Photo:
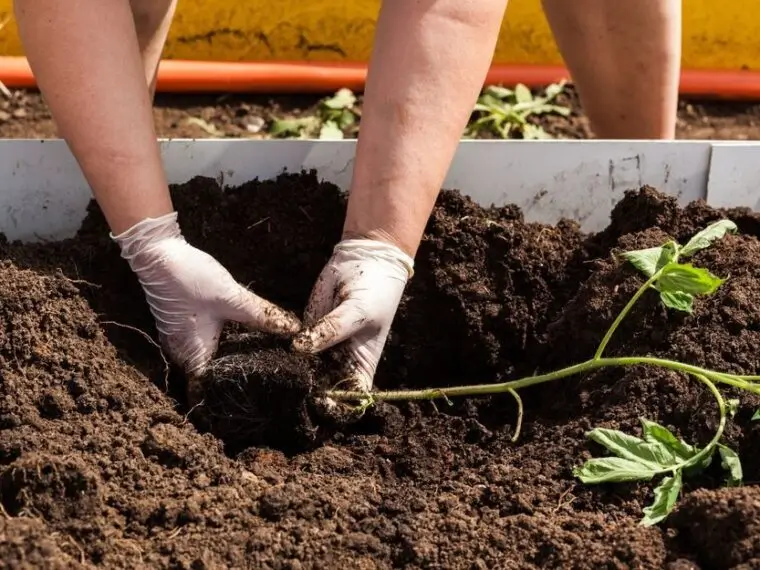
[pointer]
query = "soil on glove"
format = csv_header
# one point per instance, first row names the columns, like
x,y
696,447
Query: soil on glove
x,y
104,464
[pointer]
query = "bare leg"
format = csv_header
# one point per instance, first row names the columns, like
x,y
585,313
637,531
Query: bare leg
x,y
624,56
153,18
86,58
428,65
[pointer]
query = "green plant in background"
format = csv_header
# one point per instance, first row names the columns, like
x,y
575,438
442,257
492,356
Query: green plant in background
x,y
333,117
337,114
499,111
502,112
658,452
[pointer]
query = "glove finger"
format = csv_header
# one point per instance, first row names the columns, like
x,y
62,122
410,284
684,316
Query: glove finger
x,y
192,349
358,378
335,327
321,298
257,313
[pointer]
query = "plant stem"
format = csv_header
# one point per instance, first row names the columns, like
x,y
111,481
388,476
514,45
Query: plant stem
x,y
587,366
616,323
518,425
721,423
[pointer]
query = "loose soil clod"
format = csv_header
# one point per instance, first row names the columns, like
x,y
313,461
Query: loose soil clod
x,y
100,466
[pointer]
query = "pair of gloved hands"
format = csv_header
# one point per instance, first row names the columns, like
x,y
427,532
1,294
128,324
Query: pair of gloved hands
x,y
191,296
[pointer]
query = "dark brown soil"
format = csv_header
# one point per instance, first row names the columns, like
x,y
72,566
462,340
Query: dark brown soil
x,y
102,463
249,116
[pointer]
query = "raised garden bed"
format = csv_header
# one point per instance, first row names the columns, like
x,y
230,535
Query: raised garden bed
x,y
104,464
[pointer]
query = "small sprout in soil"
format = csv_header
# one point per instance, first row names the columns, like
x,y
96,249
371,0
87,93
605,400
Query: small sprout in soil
x,y
658,453
335,117
502,112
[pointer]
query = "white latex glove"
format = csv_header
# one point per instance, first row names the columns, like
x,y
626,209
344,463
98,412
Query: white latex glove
x,y
191,295
355,300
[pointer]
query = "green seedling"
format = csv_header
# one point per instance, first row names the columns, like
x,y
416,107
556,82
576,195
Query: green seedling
x,y
298,127
333,117
337,114
658,453
502,112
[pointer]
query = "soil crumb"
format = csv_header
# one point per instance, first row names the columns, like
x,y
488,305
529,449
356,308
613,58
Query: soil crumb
x,y
104,464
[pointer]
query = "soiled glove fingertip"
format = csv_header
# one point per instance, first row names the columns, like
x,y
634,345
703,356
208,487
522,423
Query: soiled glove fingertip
x,y
281,322
304,342
288,325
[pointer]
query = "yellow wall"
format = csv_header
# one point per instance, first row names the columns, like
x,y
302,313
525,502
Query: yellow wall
x,y
723,35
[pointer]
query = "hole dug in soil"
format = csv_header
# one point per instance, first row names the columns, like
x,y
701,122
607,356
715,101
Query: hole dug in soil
x,y
102,465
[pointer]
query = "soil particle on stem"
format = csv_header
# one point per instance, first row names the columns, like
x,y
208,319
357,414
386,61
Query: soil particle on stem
x,y
103,464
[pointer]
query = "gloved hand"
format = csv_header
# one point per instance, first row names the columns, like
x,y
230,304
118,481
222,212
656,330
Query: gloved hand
x,y
191,295
355,300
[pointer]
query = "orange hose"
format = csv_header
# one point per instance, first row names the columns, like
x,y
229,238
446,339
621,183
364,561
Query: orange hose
x,y
185,76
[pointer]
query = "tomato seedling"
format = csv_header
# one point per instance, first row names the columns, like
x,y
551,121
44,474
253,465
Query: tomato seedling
x,y
658,452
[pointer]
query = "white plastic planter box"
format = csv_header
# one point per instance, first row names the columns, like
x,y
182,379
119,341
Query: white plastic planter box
x,y
44,195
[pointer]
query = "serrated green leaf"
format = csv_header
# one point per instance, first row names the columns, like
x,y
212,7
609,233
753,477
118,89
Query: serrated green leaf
x,y
707,236
492,103
553,109
677,301
523,94
346,119
654,432
553,90
732,464
665,497
498,91
655,455
613,470
652,259
343,99
685,278
330,131
291,126
755,416
535,132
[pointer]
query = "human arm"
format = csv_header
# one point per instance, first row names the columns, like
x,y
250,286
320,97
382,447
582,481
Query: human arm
x,y
428,65
86,59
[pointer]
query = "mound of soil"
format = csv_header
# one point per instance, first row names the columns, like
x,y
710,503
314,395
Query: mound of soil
x,y
104,464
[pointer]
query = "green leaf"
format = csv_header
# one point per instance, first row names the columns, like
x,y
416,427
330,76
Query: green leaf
x,y
523,94
535,132
651,260
708,235
654,432
553,90
654,456
291,126
732,406
613,470
330,131
346,119
677,300
665,497
685,278
730,462
498,91
553,109
343,99
755,417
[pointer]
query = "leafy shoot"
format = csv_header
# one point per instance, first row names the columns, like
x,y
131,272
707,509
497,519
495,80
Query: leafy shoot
x,y
334,117
658,453
677,282
501,111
